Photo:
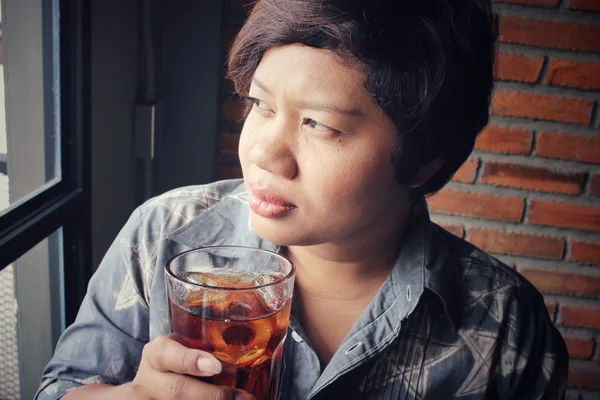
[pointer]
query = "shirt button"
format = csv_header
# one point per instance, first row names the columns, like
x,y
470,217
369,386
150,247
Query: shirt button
x,y
296,337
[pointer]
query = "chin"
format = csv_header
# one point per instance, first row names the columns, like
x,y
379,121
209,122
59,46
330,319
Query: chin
x,y
282,232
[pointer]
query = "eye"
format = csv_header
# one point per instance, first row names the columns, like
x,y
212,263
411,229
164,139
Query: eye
x,y
317,126
257,103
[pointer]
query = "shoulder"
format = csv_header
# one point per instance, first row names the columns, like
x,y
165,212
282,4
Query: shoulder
x,y
489,293
195,198
159,216
509,343
480,272
496,300
173,209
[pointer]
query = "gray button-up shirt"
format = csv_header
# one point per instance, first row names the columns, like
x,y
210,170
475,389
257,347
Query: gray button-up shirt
x,y
449,322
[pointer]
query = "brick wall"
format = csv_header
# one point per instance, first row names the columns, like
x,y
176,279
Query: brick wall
x,y
530,192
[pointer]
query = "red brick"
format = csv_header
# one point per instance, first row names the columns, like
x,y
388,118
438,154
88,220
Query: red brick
x,y
454,229
500,139
534,178
228,172
580,316
517,67
568,147
565,215
517,244
584,252
577,74
554,34
546,3
233,111
585,377
467,172
585,5
229,143
479,205
552,308
541,106
579,348
594,188
563,283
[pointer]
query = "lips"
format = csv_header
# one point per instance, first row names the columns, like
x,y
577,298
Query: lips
x,y
268,204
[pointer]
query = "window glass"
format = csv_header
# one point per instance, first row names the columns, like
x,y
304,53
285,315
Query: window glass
x,y
29,101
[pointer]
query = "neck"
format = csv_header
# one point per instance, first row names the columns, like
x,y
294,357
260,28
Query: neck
x,y
354,268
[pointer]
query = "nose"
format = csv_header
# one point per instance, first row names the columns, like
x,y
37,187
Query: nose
x,y
272,151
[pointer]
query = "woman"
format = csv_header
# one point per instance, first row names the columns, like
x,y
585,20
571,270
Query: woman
x,y
358,109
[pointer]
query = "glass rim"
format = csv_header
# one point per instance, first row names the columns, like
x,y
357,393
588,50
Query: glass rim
x,y
240,288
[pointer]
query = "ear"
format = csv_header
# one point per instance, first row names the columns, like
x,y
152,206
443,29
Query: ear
x,y
427,171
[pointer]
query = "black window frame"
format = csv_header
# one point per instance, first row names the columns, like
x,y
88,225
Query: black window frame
x,y
66,204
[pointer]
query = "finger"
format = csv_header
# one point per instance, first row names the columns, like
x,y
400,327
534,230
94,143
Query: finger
x,y
167,355
174,386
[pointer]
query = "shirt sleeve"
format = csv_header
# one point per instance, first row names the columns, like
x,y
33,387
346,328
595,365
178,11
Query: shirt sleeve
x,y
533,349
105,342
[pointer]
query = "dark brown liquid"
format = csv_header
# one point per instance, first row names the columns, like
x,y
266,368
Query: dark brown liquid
x,y
243,332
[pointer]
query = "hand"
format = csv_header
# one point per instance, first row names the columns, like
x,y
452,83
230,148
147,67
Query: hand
x,y
167,371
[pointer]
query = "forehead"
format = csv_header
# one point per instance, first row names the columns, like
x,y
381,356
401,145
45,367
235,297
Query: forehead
x,y
301,69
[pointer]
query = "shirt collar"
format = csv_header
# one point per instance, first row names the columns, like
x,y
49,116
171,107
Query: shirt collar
x,y
424,261
439,262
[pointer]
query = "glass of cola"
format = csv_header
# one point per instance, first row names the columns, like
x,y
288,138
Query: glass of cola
x,y
233,302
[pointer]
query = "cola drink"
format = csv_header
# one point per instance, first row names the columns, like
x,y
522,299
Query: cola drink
x,y
242,318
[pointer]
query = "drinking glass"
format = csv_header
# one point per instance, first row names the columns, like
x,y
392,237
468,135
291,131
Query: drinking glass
x,y
233,302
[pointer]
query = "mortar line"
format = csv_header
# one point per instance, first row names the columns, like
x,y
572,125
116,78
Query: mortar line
x,y
542,75
594,118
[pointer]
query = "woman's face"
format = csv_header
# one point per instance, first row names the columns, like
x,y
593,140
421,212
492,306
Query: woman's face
x,y
316,152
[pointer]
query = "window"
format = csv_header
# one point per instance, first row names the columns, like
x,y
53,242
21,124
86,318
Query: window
x,y
44,181
29,129
27,338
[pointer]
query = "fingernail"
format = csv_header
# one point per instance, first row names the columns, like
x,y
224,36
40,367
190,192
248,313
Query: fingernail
x,y
244,396
209,364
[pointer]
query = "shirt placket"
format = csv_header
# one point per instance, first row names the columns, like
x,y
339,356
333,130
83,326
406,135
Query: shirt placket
x,y
360,348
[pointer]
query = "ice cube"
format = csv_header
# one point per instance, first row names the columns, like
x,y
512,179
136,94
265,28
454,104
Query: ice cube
x,y
215,299
273,296
221,277
239,309
240,343
245,279
267,277
234,277
201,278
260,360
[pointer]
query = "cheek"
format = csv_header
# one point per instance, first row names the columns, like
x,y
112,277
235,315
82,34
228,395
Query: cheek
x,y
243,149
352,182
245,144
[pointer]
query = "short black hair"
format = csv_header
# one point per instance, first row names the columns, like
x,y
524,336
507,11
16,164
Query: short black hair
x,y
427,63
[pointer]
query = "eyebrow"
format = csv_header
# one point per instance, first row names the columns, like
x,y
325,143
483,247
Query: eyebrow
x,y
316,106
